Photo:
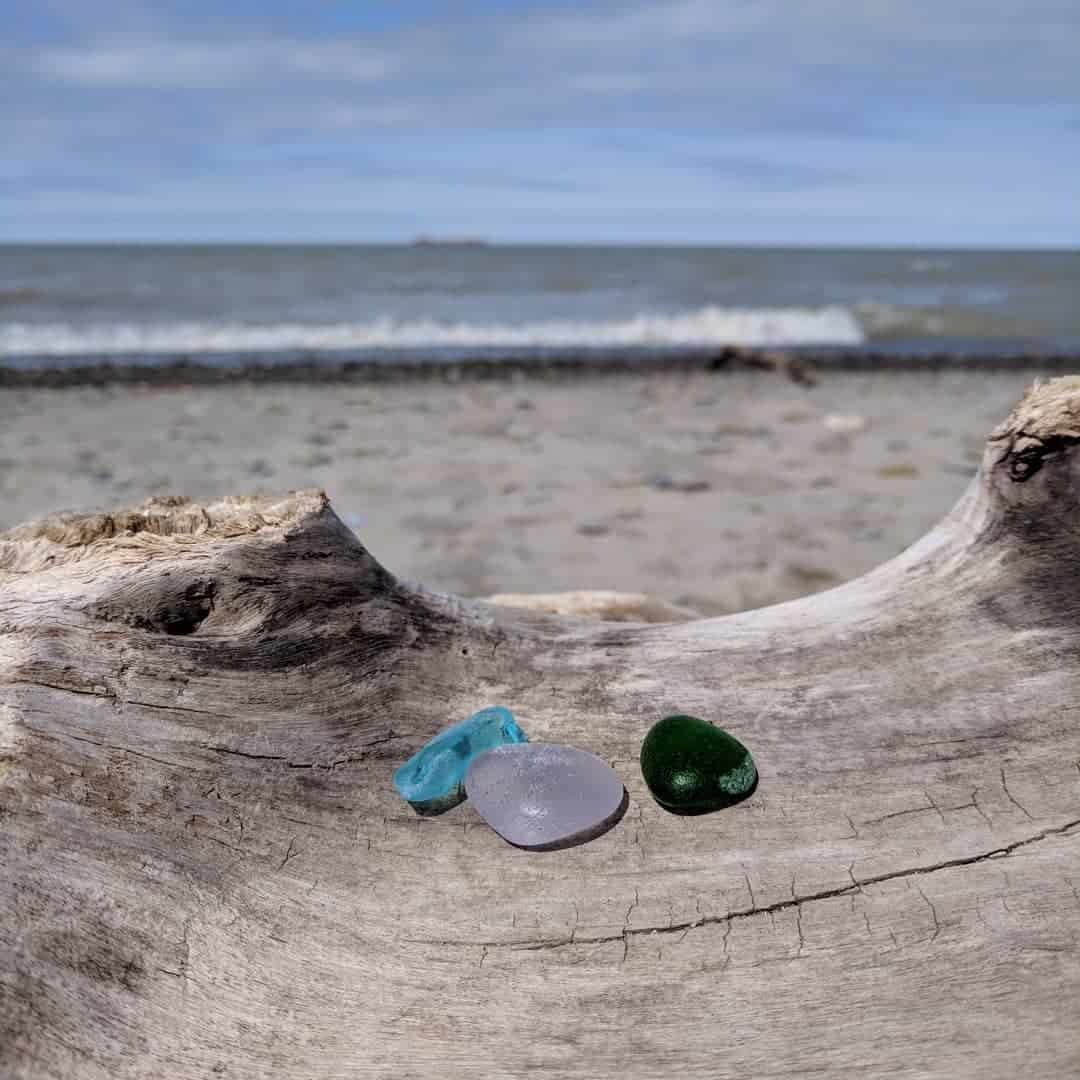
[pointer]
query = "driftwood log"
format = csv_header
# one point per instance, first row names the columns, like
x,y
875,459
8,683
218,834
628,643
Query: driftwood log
x,y
205,870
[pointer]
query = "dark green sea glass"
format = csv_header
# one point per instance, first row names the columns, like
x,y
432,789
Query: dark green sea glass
x,y
693,767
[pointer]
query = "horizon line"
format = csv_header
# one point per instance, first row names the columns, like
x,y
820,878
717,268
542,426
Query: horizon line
x,y
426,241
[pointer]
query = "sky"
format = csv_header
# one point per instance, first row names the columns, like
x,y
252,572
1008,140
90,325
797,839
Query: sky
x,y
803,122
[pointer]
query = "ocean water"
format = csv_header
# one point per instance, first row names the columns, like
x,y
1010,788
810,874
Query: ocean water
x,y
69,305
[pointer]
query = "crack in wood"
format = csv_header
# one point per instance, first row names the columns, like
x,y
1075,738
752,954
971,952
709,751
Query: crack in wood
x,y
933,911
767,909
901,813
332,764
291,853
1005,787
110,746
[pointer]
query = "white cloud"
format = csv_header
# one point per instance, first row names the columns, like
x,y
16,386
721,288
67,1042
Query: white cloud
x,y
1010,49
826,109
1018,50
165,63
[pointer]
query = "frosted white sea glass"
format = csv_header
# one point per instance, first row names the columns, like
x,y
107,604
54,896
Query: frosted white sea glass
x,y
542,795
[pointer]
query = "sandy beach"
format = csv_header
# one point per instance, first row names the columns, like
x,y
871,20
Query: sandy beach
x,y
715,491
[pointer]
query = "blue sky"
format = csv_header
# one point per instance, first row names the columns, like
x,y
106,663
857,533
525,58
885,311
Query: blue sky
x,y
678,121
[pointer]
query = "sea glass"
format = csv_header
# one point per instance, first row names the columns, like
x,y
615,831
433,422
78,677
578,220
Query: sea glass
x,y
693,767
433,779
541,795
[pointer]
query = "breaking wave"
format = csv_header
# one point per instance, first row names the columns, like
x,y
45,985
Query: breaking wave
x,y
706,327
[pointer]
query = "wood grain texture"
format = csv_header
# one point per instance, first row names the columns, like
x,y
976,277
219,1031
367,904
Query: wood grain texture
x,y
206,870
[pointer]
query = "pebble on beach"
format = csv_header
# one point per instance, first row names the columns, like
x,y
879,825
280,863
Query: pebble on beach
x,y
845,424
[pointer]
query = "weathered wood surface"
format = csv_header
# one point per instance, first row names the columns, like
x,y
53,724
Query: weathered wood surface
x,y
206,870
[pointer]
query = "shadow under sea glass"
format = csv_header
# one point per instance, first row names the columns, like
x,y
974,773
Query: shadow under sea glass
x,y
694,767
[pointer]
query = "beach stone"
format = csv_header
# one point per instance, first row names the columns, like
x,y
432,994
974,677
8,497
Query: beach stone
x,y
844,423
693,767
432,780
684,483
312,461
542,796
751,431
593,528
899,468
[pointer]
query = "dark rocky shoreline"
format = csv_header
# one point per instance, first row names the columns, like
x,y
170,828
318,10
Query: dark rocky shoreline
x,y
800,364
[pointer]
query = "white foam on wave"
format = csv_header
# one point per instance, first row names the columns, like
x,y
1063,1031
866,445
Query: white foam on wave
x,y
707,326
882,318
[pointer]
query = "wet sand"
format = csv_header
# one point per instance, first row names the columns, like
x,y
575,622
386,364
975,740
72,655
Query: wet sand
x,y
718,491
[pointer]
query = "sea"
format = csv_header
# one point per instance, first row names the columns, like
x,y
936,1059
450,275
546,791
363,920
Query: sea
x,y
63,306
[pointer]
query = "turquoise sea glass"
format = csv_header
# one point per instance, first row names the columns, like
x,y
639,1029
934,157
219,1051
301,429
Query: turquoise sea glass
x,y
433,779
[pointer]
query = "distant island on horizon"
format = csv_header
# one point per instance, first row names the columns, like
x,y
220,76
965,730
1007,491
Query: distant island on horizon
x,y
424,240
